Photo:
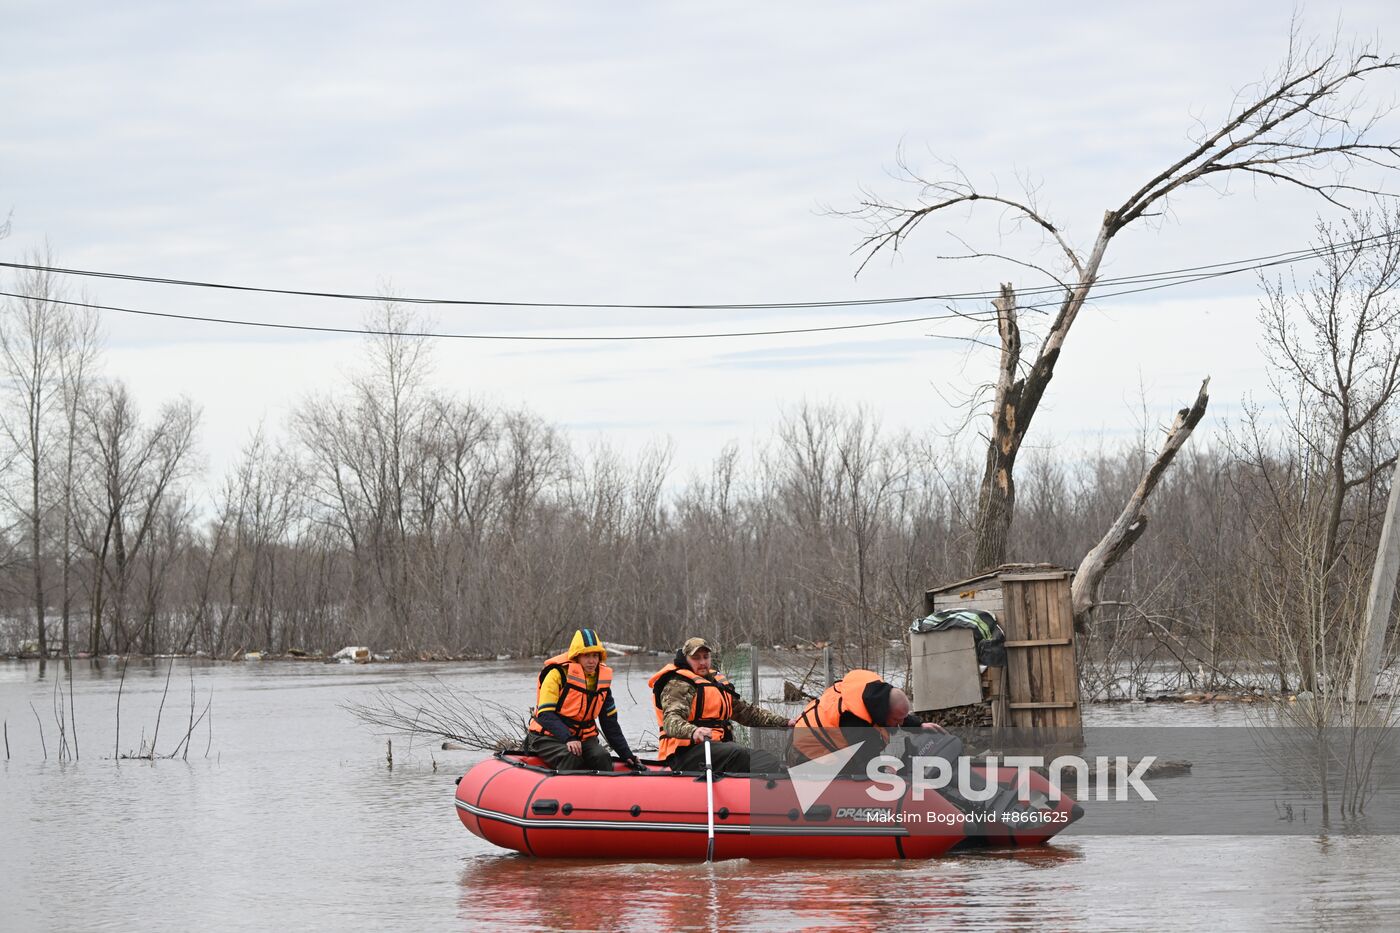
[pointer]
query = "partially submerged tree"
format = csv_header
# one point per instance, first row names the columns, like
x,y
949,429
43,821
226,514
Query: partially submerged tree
x,y
32,336
47,351
364,456
1304,126
133,473
76,371
1334,347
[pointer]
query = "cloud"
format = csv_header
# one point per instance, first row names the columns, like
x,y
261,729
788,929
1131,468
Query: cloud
x,y
665,153
830,356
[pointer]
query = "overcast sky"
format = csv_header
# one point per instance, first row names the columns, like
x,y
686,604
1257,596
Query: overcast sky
x,y
640,153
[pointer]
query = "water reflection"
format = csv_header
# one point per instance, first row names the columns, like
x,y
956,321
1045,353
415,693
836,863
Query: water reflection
x,y
996,890
766,895
1007,890
295,822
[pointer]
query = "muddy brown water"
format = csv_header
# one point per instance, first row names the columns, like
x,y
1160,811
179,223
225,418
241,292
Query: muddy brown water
x,y
293,821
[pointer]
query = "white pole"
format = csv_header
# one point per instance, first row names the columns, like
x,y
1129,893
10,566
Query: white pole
x,y
709,803
1378,600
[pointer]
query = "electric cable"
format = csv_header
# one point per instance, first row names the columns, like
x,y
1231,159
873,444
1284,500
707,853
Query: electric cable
x,y
1147,281
1243,264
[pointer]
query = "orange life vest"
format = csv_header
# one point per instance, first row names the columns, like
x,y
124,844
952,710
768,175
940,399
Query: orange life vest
x,y
712,705
578,706
818,729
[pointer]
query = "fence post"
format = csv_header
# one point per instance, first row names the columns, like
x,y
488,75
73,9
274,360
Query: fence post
x,y
829,666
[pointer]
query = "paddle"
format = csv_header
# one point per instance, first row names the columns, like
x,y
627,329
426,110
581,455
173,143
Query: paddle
x,y
709,803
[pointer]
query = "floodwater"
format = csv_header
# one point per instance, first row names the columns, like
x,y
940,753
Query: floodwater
x,y
285,816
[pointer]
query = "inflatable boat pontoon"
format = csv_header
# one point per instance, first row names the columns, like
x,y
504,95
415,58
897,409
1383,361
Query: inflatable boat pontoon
x,y
514,801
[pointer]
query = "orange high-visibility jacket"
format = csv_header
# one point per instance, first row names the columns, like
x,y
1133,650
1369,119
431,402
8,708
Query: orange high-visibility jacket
x,y
818,729
578,706
712,706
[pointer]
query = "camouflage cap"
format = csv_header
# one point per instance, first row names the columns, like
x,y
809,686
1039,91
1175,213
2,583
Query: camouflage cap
x,y
693,645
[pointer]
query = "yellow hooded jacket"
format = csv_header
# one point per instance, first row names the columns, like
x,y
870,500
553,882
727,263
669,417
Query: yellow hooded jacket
x,y
575,698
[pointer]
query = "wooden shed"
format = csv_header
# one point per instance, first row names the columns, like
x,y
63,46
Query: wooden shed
x,y
1039,687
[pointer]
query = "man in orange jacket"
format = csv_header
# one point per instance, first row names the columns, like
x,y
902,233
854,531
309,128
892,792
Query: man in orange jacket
x,y
574,697
860,708
694,704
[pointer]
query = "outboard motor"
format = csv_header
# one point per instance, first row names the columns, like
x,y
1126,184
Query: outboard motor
x,y
929,743
949,747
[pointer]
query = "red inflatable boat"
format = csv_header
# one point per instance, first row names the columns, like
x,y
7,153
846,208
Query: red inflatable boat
x,y
513,801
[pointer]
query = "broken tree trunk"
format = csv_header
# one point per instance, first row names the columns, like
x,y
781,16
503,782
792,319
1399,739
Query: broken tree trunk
x,y
1132,522
997,497
1017,399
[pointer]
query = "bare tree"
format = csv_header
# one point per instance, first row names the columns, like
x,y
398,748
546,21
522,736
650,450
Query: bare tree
x,y
1304,126
34,334
261,500
1337,345
868,472
363,459
453,485
76,366
1335,351
134,471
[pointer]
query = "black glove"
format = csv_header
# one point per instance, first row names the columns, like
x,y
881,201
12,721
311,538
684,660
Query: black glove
x,y
633,762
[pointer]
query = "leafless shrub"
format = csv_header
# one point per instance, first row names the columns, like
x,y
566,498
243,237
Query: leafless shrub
x,y
441,711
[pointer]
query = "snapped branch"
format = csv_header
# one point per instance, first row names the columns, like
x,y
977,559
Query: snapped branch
x,y
1132,521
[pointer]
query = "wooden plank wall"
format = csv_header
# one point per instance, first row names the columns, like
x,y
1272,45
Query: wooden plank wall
x,y
988,600
1041,674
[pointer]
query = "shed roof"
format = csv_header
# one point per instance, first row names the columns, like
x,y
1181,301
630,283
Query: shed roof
x,y
1004,571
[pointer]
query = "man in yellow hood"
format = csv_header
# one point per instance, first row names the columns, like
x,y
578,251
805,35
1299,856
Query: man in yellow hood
x,y
574,699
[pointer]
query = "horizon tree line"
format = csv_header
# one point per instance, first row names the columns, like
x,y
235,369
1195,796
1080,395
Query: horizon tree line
x,y
391,514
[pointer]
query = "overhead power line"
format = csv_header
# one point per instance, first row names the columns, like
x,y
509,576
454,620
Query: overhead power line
x,y
1144,282
361,331
1237,265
